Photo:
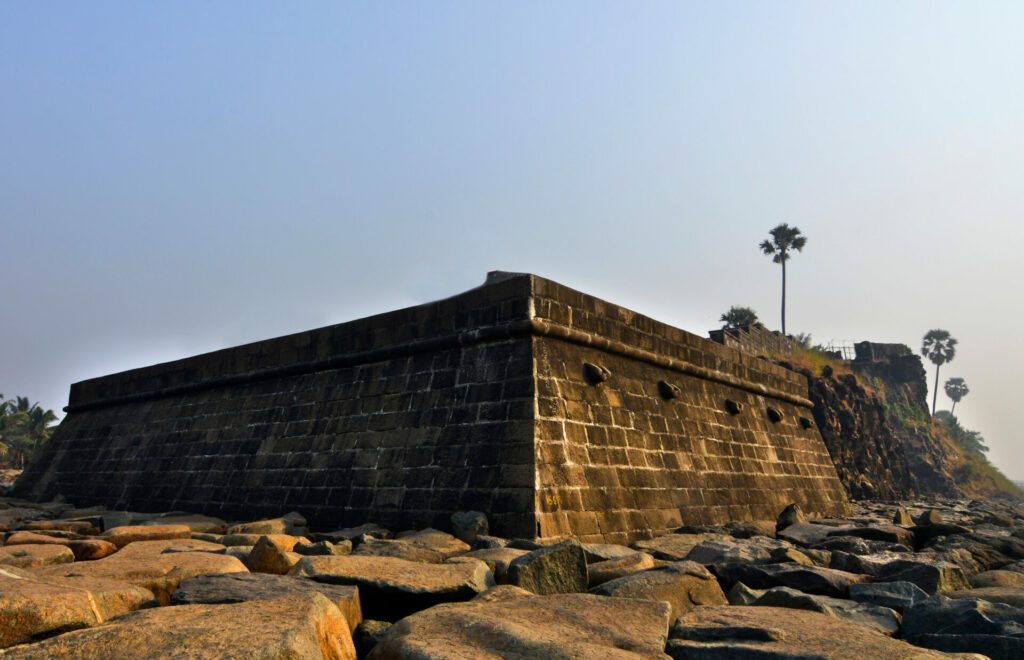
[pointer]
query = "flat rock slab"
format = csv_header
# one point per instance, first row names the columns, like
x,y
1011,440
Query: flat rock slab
x,y
711,633
612,569
144,564
683,585
1013,596
195,522
392,588
899,596
498,560
998,578
399,549
436,540
808,534
122,536
33,606
307,626
757,549
223,588
598,552
34,556
809,579
675,547
557,627
876,617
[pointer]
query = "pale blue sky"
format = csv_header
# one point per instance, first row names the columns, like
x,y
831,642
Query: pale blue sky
x,y
179,177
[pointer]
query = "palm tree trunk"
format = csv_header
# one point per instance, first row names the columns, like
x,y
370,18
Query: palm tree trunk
x,y
935,397
953,409
783,295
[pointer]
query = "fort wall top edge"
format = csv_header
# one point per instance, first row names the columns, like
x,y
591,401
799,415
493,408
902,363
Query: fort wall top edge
x,y
506,305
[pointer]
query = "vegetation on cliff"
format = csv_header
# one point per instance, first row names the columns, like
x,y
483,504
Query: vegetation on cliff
x,y
874,418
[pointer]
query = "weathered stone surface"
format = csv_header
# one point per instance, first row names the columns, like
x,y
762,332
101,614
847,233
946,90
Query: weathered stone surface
x,y
598,552
32,538
272,554
33,556
143,564
33,606
221,588
323,548
195,522
902,517
741,594
805,533
368,635
876,617
557,569
436,540
76,526
467,525
753,550
997,578
1013,596
352,534
306,626
789,556
122,536
612,569
488,542
393,588
790,516
88,549
966,625
252,539
897,596
559,627
886,533
930,517
672,547
291,524
498,560
809,579
399,549
776,633
933,577
683,585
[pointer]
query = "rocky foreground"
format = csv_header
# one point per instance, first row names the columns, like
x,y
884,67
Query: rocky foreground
x,y
915,581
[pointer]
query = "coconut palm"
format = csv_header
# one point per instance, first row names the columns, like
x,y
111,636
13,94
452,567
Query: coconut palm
x,y
784,239
738,316
956,389
939,347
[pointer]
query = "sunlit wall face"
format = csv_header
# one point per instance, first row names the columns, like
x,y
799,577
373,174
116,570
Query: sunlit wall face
x,y
178,178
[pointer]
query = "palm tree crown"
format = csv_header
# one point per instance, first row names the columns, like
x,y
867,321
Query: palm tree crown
x,y
738,316
939,347
784,239
956,389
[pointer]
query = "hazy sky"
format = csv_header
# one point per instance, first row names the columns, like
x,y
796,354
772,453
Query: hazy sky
x,y
180,177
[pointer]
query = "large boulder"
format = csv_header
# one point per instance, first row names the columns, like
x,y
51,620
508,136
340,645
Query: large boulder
x,y
776,633
562,626
146,565
998,578
598,552
272,554
966,625
556,569
468,525
298,626
898,596
224,588
392,588
885,533
292,524
1013,596
876,617
932,576
790,516
33,606
683,585
809,579
194,521
754,550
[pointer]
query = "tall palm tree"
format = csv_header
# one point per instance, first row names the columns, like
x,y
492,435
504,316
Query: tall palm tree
x,y
784,239
939,347
956,389
737,316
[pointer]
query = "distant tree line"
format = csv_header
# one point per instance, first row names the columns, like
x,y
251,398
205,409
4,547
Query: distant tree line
x,y
24,428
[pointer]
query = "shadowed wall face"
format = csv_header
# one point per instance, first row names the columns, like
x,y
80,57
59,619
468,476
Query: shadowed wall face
x,y
553,411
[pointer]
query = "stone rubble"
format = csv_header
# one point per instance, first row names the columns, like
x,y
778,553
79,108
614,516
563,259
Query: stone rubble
x,y
912,579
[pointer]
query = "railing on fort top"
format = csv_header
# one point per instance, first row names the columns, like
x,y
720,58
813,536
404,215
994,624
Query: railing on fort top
x,y
844,348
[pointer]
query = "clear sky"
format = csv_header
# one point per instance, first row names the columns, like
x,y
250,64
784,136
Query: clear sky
x,y
180,177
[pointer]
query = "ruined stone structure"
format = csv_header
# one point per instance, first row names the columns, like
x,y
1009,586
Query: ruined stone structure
x,y
754,339
553,411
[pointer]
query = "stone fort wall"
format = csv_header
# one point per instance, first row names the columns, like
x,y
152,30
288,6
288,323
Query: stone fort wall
x,y
554,411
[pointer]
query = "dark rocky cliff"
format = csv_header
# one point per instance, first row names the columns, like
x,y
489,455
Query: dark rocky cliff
x,y
873,415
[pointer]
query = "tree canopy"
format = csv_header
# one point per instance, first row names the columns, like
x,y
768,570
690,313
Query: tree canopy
x,y
956,389
970,441
738,316
940,347
24,427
